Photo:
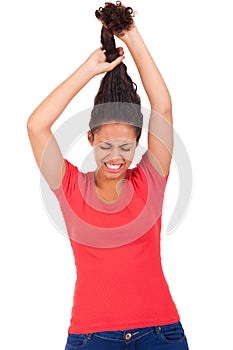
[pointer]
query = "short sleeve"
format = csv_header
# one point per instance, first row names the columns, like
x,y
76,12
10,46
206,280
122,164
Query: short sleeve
x,y
69,181
156,184
151,172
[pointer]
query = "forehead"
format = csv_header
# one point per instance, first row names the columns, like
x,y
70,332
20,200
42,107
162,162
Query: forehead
x,y
113,131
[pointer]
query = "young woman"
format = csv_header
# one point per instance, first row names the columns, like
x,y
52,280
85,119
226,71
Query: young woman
x,y
113,214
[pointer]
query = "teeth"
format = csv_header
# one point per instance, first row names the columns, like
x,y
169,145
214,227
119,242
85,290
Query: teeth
x,y
113,167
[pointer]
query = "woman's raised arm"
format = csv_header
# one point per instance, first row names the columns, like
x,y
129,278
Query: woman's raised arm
x,y
46,151
160,133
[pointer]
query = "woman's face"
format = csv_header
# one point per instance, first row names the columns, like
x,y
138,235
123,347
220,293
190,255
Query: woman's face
x,y
114,146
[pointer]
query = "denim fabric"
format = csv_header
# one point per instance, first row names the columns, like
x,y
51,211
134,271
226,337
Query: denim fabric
x,y
164,337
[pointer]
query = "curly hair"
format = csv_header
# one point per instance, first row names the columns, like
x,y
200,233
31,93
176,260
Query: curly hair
x,y
117,99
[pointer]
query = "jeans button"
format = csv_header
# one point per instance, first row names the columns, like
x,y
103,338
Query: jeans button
x,y
128,336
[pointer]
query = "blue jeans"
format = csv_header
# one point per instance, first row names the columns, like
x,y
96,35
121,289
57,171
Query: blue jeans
x,y
168,337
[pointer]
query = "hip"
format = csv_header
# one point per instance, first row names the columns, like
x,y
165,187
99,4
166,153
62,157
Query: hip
x,y
160,337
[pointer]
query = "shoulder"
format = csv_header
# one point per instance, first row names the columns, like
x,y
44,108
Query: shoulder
x,y
70,173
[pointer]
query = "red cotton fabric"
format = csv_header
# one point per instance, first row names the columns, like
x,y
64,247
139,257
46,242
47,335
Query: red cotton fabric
x,y
120,282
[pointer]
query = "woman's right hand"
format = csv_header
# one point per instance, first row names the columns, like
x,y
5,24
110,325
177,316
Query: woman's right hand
x,y
97,64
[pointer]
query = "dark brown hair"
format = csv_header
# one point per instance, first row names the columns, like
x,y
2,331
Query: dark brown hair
x,y
117,99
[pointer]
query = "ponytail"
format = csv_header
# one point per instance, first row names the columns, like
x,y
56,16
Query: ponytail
x,y
117,97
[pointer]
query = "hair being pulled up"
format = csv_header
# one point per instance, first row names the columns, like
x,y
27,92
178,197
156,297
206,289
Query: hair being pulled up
x,y
117,99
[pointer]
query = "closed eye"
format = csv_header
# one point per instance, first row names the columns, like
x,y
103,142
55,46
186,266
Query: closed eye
x,y
102,147
125,149
108,146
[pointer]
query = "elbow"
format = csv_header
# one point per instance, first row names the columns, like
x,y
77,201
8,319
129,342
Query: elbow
x,y
31,121
164,111
167,108
164,107
31,126
167,113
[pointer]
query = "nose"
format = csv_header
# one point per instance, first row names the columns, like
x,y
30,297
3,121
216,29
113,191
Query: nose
x,y
115,153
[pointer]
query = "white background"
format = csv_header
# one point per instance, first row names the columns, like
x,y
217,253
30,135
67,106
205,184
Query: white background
x,y
41,44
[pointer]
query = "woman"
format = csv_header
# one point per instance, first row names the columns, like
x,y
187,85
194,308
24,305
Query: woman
x,y
113,214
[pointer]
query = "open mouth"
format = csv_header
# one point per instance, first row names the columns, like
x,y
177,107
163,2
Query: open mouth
x,y
113,167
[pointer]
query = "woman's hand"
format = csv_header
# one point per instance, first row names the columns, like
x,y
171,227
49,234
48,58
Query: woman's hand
x,y
128,35
97,64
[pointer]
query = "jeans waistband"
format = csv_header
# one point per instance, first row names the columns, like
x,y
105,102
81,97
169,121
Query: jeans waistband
x,y
132,333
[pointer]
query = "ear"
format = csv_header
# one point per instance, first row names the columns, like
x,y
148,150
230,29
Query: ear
x,y
90,137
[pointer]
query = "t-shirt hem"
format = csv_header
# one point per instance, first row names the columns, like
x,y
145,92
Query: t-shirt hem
x,y
122,326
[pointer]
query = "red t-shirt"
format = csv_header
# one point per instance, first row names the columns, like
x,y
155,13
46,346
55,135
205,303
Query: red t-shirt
x,y
120,283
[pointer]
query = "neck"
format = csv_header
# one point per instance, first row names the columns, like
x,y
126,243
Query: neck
x,y
108,189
